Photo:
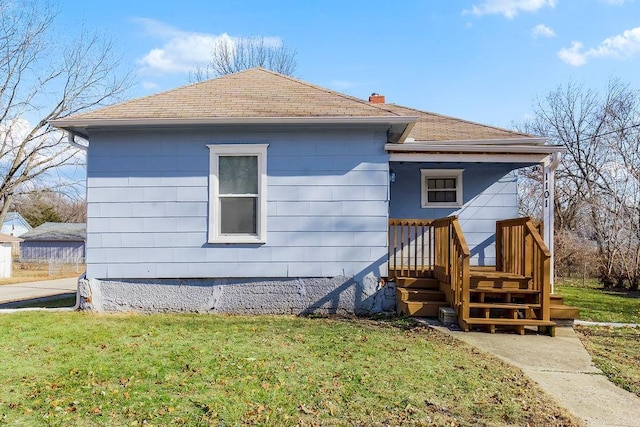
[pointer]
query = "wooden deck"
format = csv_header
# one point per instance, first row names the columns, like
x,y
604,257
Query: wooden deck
x,y
429,260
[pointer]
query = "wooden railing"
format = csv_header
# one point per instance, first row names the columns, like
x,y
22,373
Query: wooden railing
x,y
451,265
521,250
419,248
410,247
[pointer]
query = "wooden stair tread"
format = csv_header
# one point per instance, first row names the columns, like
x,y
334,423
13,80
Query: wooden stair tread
x,y
501,305
417,283
497,275
504,290
414,294
421,308
522,322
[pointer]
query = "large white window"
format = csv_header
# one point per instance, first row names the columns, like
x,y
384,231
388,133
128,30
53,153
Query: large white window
x,y
238,193
441,188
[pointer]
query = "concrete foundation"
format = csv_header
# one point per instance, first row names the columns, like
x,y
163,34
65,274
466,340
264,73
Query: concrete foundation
x,y
333,295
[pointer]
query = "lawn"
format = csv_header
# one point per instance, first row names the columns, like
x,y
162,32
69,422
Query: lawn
x,y
616,351
181,369
600,305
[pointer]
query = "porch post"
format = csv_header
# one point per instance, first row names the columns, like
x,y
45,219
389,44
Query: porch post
x,y
549,166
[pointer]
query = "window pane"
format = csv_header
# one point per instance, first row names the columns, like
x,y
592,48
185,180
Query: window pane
x,y
238,174
441,196
238,215
431,183
450,183
449,196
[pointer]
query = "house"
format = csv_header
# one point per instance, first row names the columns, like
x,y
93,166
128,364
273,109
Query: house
x,y
59,241
15,225
260,193
6,257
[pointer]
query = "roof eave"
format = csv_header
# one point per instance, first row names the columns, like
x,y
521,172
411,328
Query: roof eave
x,y
80,126
524,140
474,148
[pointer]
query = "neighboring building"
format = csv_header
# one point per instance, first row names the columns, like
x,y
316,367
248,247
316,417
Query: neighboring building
x,y
260,193
60,241
6,258
15,225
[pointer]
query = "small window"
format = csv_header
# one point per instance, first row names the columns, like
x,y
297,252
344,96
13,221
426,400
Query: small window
x,y
238,193
441,187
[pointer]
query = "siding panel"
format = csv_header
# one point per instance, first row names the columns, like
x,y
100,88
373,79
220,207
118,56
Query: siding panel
x,y
147,214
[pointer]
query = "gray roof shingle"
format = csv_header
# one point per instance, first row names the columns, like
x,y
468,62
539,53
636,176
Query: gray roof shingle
x,y
56,232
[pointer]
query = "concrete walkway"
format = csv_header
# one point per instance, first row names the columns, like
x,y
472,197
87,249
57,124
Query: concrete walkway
x,y
34,290
563,368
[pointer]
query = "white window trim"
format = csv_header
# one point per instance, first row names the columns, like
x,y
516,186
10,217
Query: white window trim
x,y
215,151
441,173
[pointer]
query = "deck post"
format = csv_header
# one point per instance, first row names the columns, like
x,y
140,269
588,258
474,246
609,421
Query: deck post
x,y
549,166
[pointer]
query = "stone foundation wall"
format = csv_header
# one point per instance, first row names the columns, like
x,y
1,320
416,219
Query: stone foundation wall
x,y
333,295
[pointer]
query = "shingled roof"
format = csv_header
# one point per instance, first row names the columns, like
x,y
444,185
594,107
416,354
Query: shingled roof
x,y
259,96
256,92
253,96
57,231
436,127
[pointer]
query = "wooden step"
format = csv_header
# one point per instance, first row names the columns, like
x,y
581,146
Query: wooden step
x,y
504,310
499,305
524,322
416,294
496,279
417,283
517,324
504,291
482,268
564,312
556,299
481,295
421,308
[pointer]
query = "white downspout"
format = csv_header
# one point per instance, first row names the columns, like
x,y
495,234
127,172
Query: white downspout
x,y
550,164
71,139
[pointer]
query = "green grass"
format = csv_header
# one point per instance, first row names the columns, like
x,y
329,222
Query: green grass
x,y
87,369
616,351
600,305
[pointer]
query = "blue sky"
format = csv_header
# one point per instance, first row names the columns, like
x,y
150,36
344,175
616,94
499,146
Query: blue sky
x,y
481,60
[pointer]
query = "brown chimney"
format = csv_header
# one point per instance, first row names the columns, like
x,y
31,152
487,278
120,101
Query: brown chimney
x,y
376,98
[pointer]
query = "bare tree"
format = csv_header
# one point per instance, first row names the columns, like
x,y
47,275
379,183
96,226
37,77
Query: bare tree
x,y
598,183
232,55
43,205
43,77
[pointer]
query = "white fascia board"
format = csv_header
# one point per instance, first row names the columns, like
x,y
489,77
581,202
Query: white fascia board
x,y
70,123
534,140
469,157
459,148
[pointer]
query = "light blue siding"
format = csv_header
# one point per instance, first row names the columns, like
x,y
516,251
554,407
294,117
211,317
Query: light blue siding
x,y
489,194
147,204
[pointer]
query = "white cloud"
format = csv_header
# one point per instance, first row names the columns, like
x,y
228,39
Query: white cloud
x,y
181,51
621,46
618,2
573,55
542,30
509,8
